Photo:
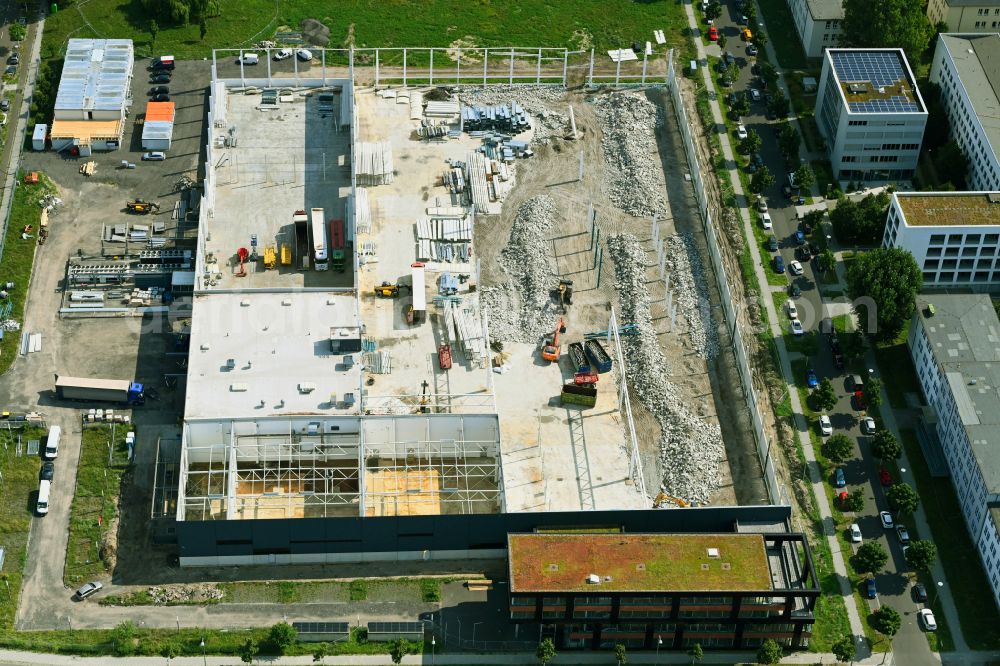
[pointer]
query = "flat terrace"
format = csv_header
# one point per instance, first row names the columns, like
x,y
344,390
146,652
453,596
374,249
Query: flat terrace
x,y
959,208
270,161
638,562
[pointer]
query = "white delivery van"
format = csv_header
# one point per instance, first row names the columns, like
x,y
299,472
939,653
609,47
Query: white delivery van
x,y
248,59
52,443
42,506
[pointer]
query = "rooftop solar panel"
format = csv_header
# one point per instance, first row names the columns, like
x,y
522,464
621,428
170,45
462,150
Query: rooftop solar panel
x,y
881,69
395,627
321,627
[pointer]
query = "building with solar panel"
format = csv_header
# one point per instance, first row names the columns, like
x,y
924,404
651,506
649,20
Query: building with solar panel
x,y
871,114
967,67
93,96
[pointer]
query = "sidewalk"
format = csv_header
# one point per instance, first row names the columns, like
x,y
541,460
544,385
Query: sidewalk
x,y
802,432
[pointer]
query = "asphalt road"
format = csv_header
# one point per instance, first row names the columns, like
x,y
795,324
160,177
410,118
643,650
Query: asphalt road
x,y
894,589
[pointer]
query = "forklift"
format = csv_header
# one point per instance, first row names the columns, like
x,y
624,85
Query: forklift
x,y
141,207
388,290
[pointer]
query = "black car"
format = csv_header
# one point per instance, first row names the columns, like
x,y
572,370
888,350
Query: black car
x,y
803,253
159,90
48,471
772,243
920,593
11,69
160,98
757,159
755,69
13,59
725,82
161,65
5,105
163,77
794,291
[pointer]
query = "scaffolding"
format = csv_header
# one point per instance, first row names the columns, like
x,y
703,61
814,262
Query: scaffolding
x,y
418,465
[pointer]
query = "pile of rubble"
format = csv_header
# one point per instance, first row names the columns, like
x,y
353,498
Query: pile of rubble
x,y
179,594
689,284
538,101
522,310
690,449
628,127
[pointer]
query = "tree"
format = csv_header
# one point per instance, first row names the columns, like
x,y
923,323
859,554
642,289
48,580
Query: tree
x,y
751,144
838,448
320,653
203,28
248,651
873,392
903,498
779,105
804,176
283,636
854,344
760,39
768,74
713,10
870,558
620,654
397,650
123,638
789,142
770,652
696,653
722,41
750,11
740,106
154,29
827,260
825,396
546,651
17,32
950,164
861,222
855,501
761,180
885,621
921,555
169,651
891,278
885,446
844,649
887,23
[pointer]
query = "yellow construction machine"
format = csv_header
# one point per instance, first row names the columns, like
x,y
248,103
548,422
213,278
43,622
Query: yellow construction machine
x,y
664,498
387,290
141,207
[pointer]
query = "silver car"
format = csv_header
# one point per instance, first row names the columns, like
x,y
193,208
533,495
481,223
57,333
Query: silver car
x,y
88,589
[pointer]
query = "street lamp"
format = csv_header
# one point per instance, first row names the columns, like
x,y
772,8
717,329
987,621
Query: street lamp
x,y
433,649
474,625
204,657
937,592
659,642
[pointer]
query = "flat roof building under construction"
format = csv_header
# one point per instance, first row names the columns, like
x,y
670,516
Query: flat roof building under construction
x,y
96,79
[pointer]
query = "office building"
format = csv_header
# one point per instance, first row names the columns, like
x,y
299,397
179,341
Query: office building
x,y
965,15
818,24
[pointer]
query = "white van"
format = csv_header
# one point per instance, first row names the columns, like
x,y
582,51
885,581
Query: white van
x,y
42,506
248,59
52,443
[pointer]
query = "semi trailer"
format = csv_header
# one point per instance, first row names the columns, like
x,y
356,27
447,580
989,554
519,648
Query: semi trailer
x,y
121,391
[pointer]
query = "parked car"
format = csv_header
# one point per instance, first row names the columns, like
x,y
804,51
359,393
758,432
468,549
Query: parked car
x,y
5,105
825,427
884,477
920,593
802,253
160,78
11,69
162,97
765,220
797,327
859,402
794,290
868,425
87,590
305,55
752,49
48,471
855,533
793,312
926,616
757,159
13,59
800,238
725,82
761,205
795,268
283,54
811,380
779,264
839,479
754,95
248,59
159,90
886,519
902,534
871,591
772,243
713,34
741,132
154,156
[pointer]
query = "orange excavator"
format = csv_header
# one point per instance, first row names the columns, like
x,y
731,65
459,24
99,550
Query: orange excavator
x,y
550,347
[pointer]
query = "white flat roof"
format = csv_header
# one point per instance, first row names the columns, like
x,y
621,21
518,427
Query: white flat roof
x,y
96,75
250,352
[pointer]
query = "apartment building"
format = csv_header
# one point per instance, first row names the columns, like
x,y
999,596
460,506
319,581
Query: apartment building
x,y
954,342
965,15
871,114
967,67
953,236
670,591
818,24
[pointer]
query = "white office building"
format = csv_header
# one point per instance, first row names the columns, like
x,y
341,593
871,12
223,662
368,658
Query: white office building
x,y
954,236
954,342
871,114
818,24
967,67
965,15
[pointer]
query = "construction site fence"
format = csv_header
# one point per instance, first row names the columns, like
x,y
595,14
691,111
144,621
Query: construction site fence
x,y
508,65
730,302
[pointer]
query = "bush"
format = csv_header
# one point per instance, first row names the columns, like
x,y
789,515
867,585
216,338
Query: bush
x,y
430,590
358,590
282,636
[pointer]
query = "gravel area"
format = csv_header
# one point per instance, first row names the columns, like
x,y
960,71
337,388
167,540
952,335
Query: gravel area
x,y
689,284
691,449
628,126
522,310
539,101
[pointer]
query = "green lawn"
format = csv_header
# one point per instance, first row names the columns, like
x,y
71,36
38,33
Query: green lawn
x,y
95,502
17,497
395,23
966,578
18,257
782,34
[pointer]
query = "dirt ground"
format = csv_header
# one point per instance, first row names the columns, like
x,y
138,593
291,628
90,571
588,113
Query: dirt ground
x,y
554,171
